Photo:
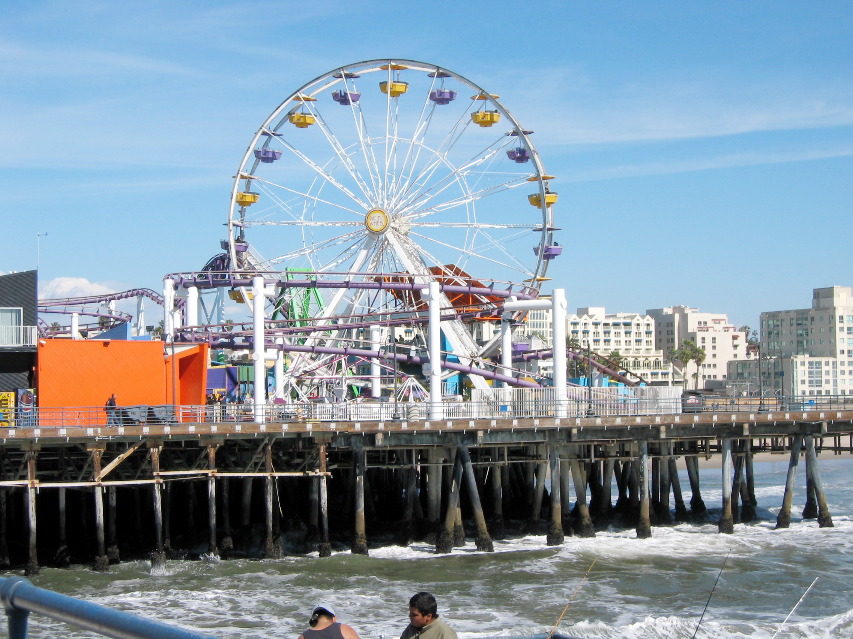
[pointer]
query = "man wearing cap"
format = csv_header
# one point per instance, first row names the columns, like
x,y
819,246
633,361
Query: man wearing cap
x,y
324,626
423,620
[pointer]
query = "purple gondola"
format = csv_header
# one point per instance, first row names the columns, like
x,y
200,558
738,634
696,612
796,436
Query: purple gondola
x,y
519,155
442,96
346,98
550,252
521,347
267,155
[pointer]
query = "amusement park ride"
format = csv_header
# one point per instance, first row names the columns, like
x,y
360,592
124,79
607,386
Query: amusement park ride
x,y
362,190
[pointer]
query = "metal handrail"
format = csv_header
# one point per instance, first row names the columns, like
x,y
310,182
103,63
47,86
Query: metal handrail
x,y
20,598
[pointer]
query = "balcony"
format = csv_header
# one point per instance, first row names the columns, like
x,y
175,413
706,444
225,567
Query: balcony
x,y
18,335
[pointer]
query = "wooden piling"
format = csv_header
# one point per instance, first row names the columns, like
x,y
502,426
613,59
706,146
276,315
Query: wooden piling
x,y
697,504
824,519
312,531
810,507
359,543
496,482
227,544
783,518
406,526
555,536
584,523
212,549
444,541
680,508
482,541
62,557
324,547
246,508
737,481
102,562
433,485
664,515
112,528
538,491
726,524
747,484
565,496
272,550
644,524
158,556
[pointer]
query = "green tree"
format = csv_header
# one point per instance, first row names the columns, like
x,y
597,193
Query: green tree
x,y
688,352
751,334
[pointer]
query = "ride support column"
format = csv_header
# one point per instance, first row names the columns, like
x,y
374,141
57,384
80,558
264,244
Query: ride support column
x,y
434,348
259,392
558,318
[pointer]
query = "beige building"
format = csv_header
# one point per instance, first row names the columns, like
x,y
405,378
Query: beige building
x,y
713,332
629,334
805,352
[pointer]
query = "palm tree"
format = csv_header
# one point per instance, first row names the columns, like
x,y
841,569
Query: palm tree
x,y
686,353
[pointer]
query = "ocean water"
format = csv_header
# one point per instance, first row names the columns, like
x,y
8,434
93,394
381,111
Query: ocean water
x,y
611,586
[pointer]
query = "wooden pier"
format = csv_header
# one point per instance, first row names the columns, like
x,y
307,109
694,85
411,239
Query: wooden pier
x,y
96,494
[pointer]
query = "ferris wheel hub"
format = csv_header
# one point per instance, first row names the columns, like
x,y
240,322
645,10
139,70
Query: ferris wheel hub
x,y
376,221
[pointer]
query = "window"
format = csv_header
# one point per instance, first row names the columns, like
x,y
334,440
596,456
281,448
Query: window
x,y
11,316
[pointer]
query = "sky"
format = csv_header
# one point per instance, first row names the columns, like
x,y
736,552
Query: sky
x,y
703,152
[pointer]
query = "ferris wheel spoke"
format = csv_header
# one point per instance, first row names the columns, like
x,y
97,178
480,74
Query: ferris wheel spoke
x,y
322,173
366,187
462,200
303,198
311,249
479,251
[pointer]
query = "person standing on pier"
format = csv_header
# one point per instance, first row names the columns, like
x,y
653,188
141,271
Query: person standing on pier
x,y
110,408
324,626
424,621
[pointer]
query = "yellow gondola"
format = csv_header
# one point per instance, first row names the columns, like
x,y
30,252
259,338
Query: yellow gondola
x,y
246,198
301,120
536,200
395,88
485,118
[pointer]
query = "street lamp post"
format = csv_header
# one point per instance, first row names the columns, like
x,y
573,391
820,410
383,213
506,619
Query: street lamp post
x,y
760,383
38,248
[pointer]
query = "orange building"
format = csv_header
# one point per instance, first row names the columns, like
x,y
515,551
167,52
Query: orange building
x,y
84,373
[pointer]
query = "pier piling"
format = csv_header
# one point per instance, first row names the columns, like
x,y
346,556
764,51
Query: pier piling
x,y
783,519
726,524
644,524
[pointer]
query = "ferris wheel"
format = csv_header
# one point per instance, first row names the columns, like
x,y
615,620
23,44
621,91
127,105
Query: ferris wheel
x,y
391,170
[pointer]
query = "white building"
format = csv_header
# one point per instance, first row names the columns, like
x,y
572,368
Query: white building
x,y
631,335
807,352
713,332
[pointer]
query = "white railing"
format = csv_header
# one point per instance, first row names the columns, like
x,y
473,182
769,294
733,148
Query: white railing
x,y
518,403
18,335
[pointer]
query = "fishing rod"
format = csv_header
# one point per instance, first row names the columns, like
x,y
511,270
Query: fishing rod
x,y
795,607
562,614
719,574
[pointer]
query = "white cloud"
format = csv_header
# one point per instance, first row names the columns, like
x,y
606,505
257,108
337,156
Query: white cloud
x,y
65,287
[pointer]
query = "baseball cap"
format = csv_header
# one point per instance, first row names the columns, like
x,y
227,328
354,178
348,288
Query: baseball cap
x,y
326,607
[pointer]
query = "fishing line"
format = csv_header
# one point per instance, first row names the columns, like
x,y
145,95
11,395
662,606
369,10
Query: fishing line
x,y
719,574
795,607
562,614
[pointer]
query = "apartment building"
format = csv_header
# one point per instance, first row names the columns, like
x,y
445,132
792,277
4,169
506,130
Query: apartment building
x,y
629,334
805,352
713,332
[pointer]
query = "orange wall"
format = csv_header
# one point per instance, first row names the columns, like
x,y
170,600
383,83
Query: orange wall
x,y
86,372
